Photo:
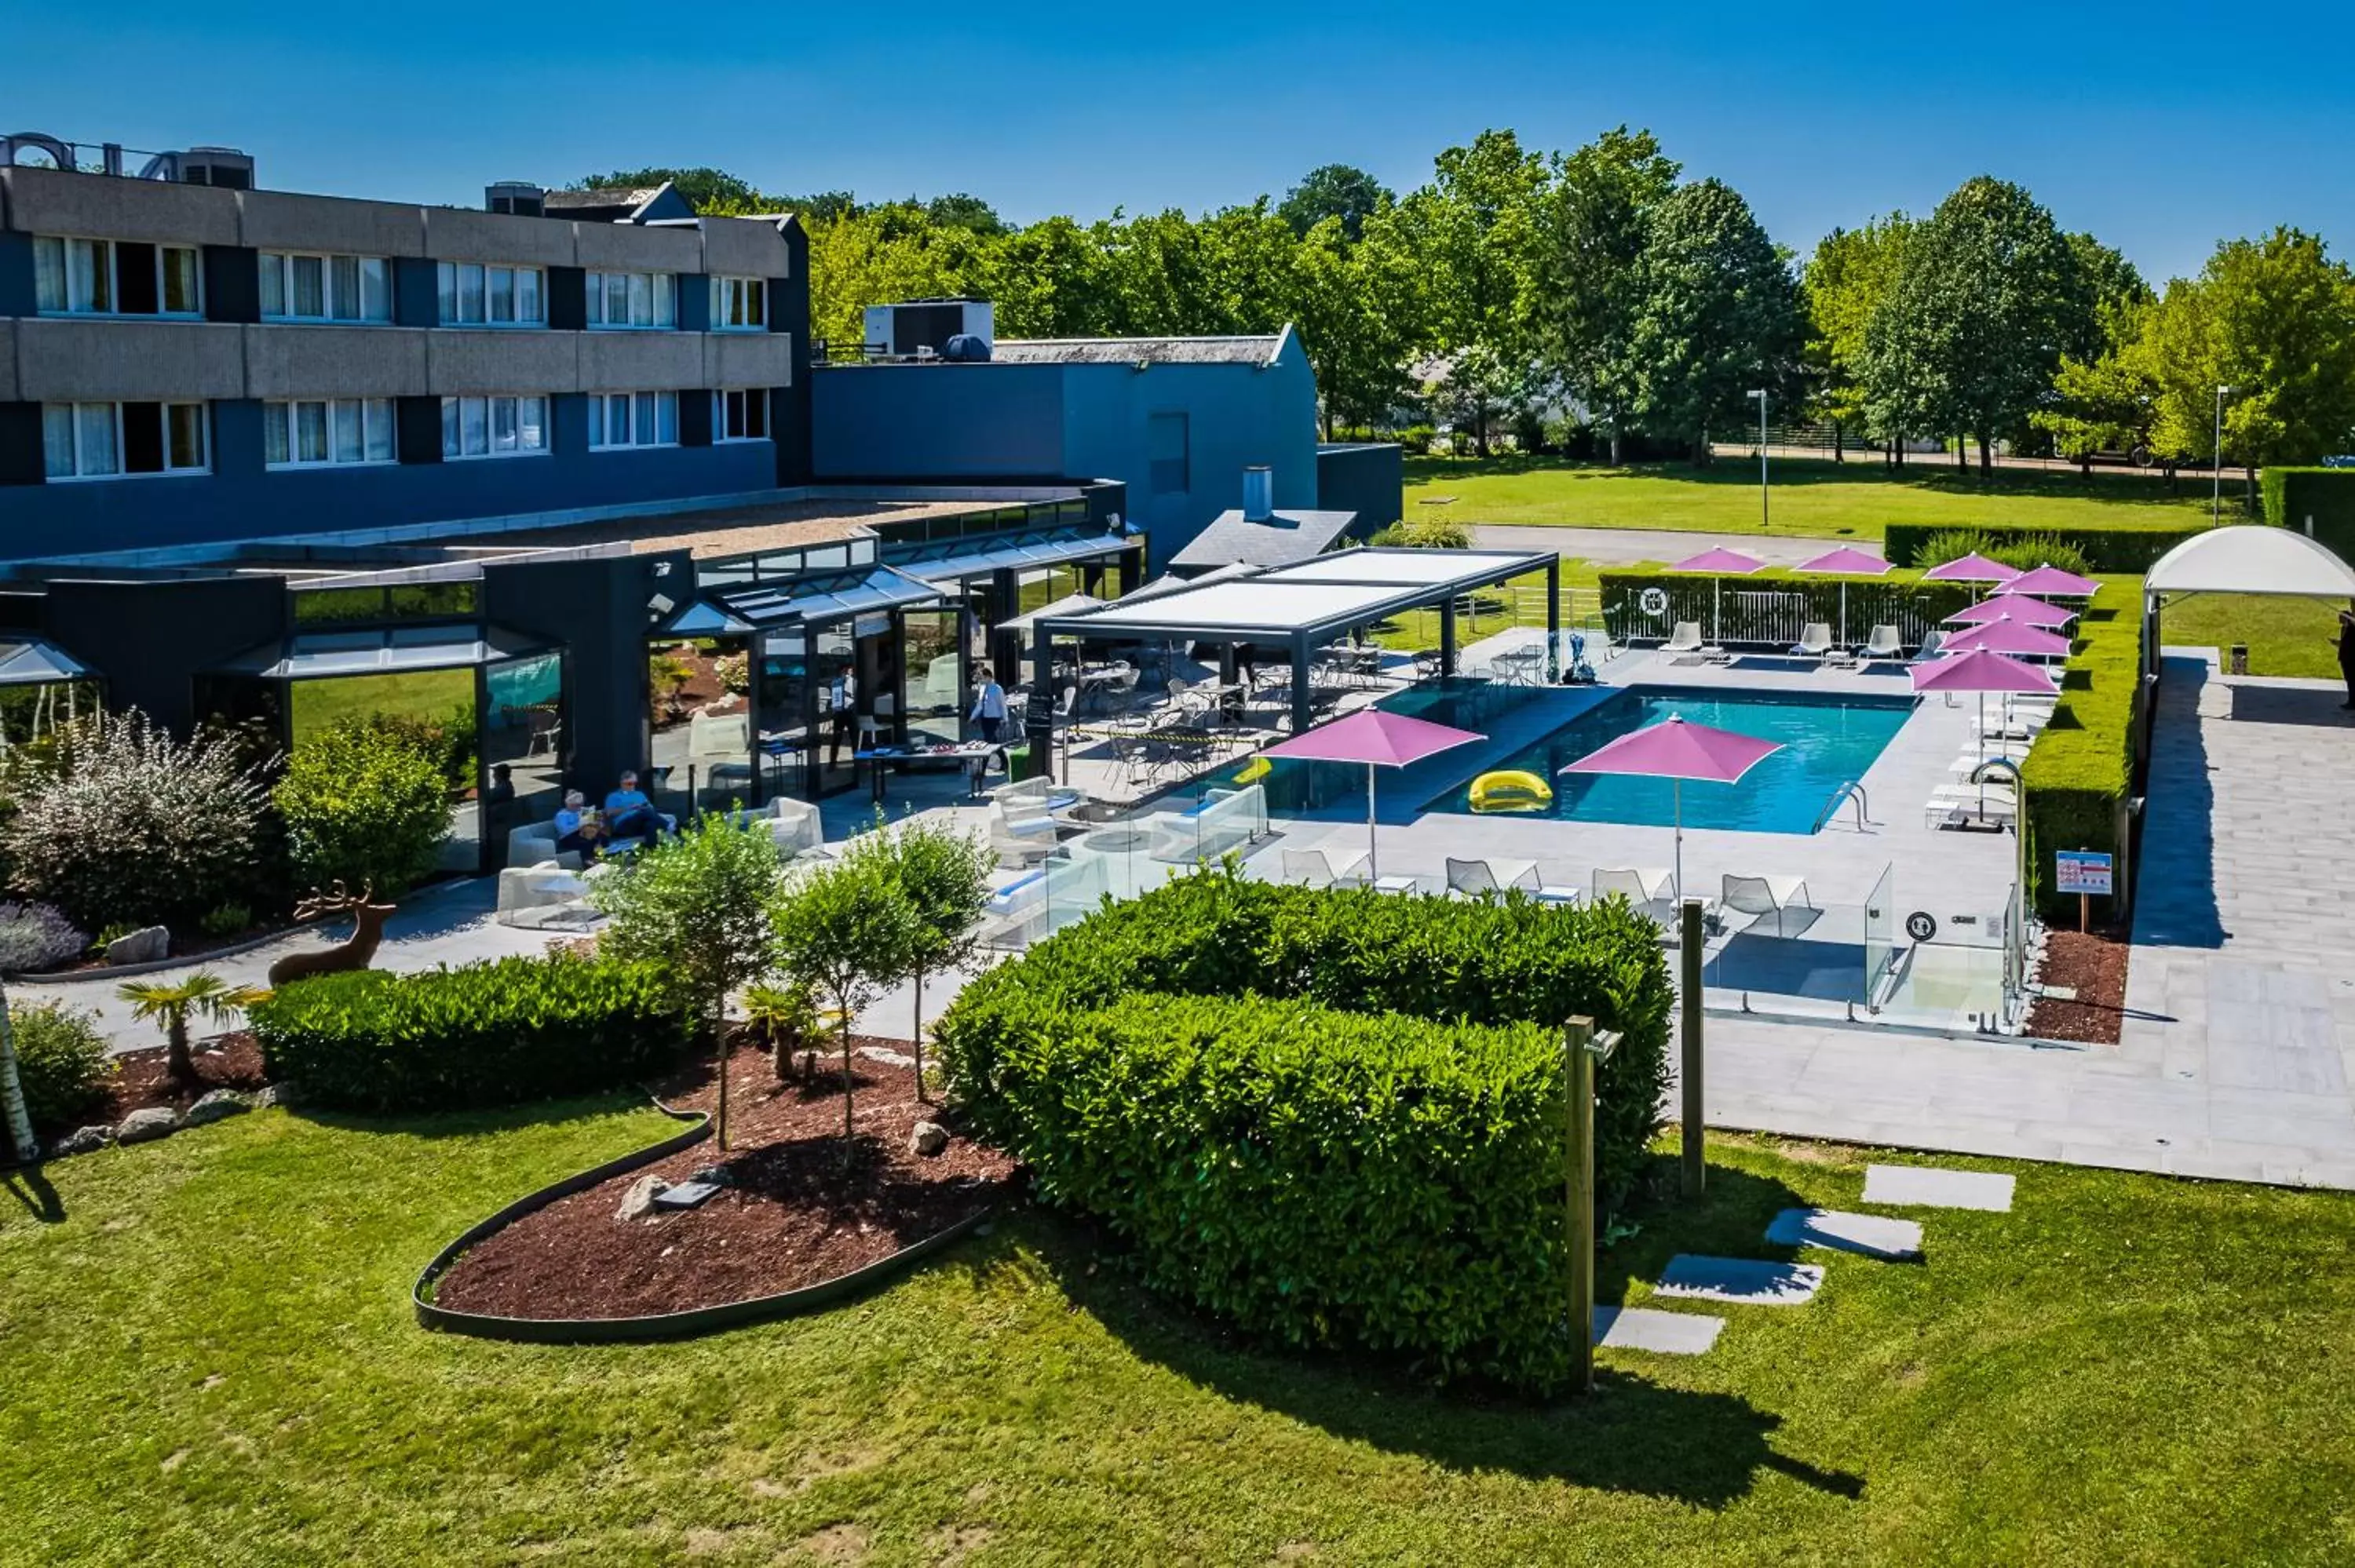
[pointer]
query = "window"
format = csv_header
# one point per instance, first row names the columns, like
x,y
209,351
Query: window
x,y
741,415
114,277
474,294
493,427
318,434
739,304
633,420
1165,439
303,288
102,440
632,300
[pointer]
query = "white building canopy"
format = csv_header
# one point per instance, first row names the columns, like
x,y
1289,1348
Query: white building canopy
x,y
2251,559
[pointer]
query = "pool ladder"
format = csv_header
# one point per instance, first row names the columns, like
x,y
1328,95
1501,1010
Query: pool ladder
x,y
1851,790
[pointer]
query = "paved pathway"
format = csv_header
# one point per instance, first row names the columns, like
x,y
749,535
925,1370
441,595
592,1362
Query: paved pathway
x,y
1619,547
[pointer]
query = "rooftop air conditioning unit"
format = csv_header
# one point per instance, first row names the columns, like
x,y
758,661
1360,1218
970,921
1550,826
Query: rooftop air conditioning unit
x,y
519,198
921,328
223,166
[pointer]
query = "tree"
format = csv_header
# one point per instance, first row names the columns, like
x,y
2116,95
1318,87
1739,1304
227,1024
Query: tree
x,y
1968,340
848,929
12,1091
1336,190
1718,314
961,210
713,193
1473,392
1474,225
2274,319
700,907
363,802
944,873
1845,282
2104,404
1580,295
201,995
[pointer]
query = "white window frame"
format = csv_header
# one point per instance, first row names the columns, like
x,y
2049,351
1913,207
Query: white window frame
x,y
281,264
720,436
490,406
754,291
653,296
641,421
111,248
450,280
375,413
114,413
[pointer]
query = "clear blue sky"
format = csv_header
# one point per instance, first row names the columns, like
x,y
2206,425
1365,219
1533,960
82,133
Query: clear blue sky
x,y
2160,133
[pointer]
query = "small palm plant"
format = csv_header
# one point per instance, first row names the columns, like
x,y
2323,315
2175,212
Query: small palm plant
x,y
201,995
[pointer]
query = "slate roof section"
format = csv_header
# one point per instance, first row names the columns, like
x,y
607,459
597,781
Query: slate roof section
x,y
1284,537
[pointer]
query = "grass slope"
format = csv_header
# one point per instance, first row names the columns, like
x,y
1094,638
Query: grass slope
x,y
1850,499
211,1360
2286,636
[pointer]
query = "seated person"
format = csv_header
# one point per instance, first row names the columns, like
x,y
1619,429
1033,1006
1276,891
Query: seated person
x,y
630,815
578,827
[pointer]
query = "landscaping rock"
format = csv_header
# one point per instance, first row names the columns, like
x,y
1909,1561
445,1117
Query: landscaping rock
x,y
144,946
83,1141
930,1138
217,1105
269,1095
639,1200
146,1126
686,1195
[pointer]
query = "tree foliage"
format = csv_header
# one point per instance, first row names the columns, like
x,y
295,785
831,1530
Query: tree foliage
x,y
1334,191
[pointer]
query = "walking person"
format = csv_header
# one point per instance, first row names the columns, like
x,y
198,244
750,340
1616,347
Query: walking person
x,y
2347,652
988,706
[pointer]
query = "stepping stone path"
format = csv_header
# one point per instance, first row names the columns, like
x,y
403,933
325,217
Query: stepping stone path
x,y
1744,1281
1663,1334
1869,1235
1921,1186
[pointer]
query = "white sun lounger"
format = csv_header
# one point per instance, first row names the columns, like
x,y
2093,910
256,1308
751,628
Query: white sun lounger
x,y
1769,895
1953,805
1314,868
1814,641
1480,878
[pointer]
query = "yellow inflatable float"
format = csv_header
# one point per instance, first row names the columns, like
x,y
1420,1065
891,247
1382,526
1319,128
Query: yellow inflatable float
x,y
1510,789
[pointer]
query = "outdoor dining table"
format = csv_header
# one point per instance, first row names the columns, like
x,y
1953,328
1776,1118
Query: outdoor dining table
x,y
881,759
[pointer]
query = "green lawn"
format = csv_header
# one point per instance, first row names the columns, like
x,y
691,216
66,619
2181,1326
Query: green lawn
x,y
424,694
1852,500
2286,636
211,1360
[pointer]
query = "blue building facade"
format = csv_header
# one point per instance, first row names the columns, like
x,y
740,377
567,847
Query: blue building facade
x,y
1177,420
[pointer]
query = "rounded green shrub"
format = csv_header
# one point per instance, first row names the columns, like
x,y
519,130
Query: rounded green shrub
x,y
61,1062
1336,1118
484,1034
364,804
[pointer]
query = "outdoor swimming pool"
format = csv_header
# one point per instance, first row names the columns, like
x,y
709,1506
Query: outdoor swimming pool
x,y
1826,741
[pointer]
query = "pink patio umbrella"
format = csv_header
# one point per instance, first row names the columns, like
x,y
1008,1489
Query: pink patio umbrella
x,y
1970,570
2005,635
1982,670
1847,561
1723,563
1679,750
2051,580
2025,608
1378,739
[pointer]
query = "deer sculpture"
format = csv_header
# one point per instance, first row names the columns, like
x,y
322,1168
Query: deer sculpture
x,y
353,952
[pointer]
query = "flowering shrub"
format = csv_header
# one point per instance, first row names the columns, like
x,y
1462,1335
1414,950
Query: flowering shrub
x,y
36,937
123,823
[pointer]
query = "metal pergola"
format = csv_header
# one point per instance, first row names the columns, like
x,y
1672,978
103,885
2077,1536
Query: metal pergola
x,y
1301,607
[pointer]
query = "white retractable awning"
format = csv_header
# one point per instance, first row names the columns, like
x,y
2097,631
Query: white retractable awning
x,y
2251,559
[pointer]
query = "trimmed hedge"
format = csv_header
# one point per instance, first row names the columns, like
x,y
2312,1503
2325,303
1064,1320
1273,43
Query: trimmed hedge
x,y
2077,775
485,1034
2127,548
1336,1118
2292,495
1904,601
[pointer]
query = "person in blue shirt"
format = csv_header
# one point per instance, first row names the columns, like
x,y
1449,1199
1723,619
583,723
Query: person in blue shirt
x,y
577,828
988,706
630,815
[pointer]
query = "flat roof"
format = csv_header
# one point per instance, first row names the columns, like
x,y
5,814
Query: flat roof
x,y
1410,567
723,531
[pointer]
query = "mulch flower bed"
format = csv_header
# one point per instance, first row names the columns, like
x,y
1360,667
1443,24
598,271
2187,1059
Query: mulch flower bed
x,y
2095,965
224,1062
792,1216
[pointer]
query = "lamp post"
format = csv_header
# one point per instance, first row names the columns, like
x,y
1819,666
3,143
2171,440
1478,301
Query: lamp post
x,y
1765,521
2216,506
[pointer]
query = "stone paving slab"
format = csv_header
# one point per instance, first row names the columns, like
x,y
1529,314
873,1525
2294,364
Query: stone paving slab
x,y
1662,1333
1744,1281
1931,1188
1867,1235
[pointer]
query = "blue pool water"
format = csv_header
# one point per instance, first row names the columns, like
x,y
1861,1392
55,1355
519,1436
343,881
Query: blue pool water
x,y
1826,740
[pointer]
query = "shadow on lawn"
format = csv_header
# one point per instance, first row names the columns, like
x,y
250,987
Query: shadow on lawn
x,y
475,1122
29,1185
1632,1435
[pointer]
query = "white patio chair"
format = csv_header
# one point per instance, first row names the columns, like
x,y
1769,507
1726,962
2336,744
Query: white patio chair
x,y
1762,896
1314,868
1814,641
1685,638
1882,646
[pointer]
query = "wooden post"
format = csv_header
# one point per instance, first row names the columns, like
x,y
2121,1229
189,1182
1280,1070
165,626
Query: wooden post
x,y
1577,1035
1689,954
2085,901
